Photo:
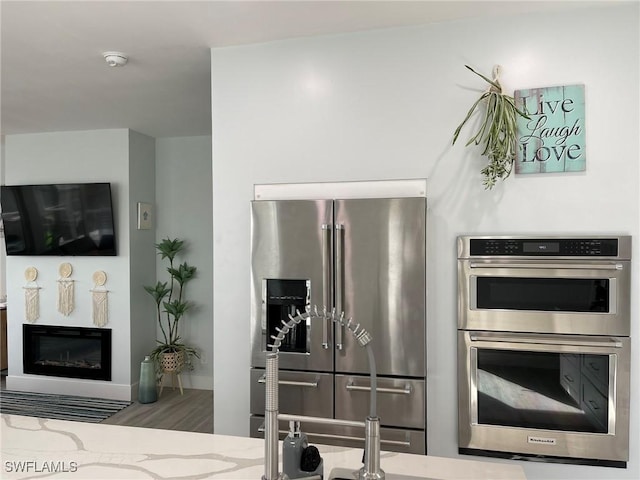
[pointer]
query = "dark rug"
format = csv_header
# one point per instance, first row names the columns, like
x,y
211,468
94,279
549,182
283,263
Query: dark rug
x,y
60,407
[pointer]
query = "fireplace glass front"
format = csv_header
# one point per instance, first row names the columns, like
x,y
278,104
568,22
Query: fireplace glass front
x,y
72,352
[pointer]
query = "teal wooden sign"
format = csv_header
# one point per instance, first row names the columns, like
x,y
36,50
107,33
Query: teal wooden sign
x,y
552,139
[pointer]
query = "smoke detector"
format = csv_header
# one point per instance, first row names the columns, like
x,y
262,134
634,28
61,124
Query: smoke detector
x,y
115,59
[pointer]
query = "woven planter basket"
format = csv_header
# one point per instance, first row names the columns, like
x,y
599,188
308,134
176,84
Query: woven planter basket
x,y
172,361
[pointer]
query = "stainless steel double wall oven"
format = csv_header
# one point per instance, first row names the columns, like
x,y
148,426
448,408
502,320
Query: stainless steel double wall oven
x,y
363,257
543,348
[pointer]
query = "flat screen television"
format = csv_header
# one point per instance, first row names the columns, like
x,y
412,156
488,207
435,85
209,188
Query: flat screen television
x,y
62,219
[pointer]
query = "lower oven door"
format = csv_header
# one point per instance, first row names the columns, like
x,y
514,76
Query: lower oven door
x,y
562,396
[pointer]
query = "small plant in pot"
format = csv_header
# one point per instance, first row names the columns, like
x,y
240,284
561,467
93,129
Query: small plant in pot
x,y
171,355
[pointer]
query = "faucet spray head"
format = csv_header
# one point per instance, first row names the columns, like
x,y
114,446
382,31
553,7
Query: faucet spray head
x,y
364,338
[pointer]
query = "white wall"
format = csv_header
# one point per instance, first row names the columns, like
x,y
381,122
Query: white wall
x,y
67,157
384,105
184,210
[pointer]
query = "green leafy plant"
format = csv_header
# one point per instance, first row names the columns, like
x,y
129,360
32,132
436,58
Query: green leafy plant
x,y
171,305
497,130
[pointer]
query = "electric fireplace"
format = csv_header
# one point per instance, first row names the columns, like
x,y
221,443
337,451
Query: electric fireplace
x,y
73,352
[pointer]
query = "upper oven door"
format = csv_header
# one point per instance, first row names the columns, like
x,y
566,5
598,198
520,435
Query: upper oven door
x,y
545,296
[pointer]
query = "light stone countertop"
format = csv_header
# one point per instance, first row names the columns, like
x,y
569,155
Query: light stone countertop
x,y
42,448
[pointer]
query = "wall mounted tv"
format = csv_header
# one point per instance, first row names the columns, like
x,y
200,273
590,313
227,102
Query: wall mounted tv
x,y
62,219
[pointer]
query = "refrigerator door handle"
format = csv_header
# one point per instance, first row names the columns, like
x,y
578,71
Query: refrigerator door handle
x,y
357,388
263,379
339,282
326,280
398,443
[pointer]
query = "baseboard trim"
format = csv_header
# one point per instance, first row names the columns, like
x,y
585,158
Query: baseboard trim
x,y
196,382
65,386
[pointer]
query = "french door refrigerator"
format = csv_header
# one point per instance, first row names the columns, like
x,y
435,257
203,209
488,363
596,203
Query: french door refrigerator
x,y
363,257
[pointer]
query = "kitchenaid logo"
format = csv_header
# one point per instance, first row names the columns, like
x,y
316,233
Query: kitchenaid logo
x,y
541,440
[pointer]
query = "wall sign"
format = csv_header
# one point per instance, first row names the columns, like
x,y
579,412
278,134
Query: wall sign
x,y
145,216
553,139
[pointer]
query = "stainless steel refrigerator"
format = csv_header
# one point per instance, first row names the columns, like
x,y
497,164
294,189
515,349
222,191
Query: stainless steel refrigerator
x,y
363,257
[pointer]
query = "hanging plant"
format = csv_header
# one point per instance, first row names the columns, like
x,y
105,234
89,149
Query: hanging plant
x,y
497,130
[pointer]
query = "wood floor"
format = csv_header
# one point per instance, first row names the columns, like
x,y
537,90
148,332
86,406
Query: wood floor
x,y
191,412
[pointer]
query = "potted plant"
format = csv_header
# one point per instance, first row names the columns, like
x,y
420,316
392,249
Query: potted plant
x,y
171,355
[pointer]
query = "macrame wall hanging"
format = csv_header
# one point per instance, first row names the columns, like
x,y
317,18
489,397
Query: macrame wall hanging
x,y
31,295
65,289
99,297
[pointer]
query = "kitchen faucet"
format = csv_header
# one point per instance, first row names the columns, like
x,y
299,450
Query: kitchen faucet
x,y
371,469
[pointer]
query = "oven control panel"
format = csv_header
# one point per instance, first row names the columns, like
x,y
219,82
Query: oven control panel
x,y
566,247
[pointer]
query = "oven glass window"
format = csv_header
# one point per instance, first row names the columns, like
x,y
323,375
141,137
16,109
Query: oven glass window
x,y
546,294
553,391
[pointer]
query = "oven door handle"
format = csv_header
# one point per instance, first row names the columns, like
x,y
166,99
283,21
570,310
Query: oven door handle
x,y
549,266
547,341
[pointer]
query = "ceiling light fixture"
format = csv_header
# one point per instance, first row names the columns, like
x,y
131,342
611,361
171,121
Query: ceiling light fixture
x,y
115,59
